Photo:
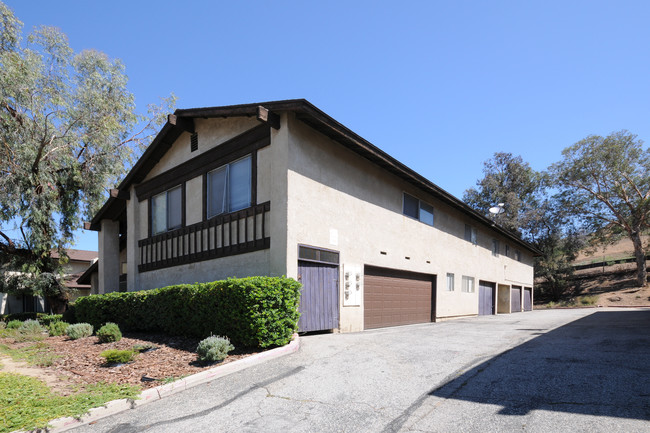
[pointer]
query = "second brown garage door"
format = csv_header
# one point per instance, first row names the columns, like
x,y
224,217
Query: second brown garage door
x,y
394,297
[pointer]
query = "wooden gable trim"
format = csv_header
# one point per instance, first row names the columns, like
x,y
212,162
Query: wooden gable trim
x,y
269,117
235,148
184,123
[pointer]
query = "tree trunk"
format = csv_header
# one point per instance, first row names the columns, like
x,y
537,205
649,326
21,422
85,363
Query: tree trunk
x,y
57,304
641,269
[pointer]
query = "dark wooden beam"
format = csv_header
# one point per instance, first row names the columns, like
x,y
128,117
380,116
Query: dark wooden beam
x,y
183,123
122,195
235,148
270,118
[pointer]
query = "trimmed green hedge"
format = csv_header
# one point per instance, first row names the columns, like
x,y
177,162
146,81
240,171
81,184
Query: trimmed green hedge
x,y
252,312
43,318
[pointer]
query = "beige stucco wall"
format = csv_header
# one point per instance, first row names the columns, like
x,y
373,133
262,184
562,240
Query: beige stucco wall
x,y
333,190
210,132
242,265
213,132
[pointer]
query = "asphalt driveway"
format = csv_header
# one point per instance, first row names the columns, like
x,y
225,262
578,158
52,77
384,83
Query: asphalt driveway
x,y
558,370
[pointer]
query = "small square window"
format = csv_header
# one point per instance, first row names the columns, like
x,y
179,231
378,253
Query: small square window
x,y
450,282
468,284
415,208
167,210
426,213
229,187
411,205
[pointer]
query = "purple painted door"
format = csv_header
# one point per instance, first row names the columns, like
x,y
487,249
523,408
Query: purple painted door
x,y
319,302
515,299
528,299
485,298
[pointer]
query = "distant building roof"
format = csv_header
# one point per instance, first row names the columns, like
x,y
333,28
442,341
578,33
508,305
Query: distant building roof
x,y
84,279
78,255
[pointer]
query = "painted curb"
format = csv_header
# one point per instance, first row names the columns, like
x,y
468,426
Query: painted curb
x,y
162,391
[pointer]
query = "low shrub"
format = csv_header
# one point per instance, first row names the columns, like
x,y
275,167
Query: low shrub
x,y
589,300
109,333
3,325
214,349
144,347
47,319
14,324
57,328
115,356
31,326
79,330
252,312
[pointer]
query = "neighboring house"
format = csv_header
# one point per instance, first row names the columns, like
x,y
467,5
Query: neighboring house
x,y
79,261
281,188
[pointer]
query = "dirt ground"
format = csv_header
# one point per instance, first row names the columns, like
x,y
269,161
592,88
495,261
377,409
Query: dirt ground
x,y
79,361
614,289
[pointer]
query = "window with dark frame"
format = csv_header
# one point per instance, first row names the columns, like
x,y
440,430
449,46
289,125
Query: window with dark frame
x,y
470,234
167,210
317,255
495,247
518,255
229,187
417,209
507,250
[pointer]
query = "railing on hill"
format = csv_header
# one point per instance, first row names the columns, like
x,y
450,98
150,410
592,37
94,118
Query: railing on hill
x,y
607,263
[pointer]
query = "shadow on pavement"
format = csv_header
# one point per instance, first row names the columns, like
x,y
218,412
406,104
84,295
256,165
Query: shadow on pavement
x,y
598,365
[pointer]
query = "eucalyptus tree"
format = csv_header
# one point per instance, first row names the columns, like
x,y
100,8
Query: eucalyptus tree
x,y
531,211
68,128
509,180
605,185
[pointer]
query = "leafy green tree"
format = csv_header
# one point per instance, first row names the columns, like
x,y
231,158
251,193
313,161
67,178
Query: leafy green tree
x,y
509,180
68,128
605,184
532,213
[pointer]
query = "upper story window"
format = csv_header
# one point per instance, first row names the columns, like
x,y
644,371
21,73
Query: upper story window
x,y
229,187
495,247
167,210
518,255
418,209
470,234
507,251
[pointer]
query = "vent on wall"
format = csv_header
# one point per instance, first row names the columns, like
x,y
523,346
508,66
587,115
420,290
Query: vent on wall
x,y
194,142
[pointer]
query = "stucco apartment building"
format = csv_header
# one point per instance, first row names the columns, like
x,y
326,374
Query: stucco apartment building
x,y
78,261
281,188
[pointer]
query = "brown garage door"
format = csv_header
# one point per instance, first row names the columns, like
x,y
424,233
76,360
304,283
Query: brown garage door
x,y
394,297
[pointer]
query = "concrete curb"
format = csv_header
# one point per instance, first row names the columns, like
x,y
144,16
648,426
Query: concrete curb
x,y
162,391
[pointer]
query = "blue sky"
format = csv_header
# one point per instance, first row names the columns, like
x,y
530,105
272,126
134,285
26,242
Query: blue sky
x,y
440,86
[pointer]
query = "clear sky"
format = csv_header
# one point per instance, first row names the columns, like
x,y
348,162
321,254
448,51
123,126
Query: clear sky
x,y
440,86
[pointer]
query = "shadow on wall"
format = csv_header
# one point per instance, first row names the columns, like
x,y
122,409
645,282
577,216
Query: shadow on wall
x,y
598,365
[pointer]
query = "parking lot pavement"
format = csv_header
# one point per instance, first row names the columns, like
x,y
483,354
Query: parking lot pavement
x,y
541,371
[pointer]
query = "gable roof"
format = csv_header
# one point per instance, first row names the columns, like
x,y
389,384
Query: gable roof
x,y
182,120
77,255
84,279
